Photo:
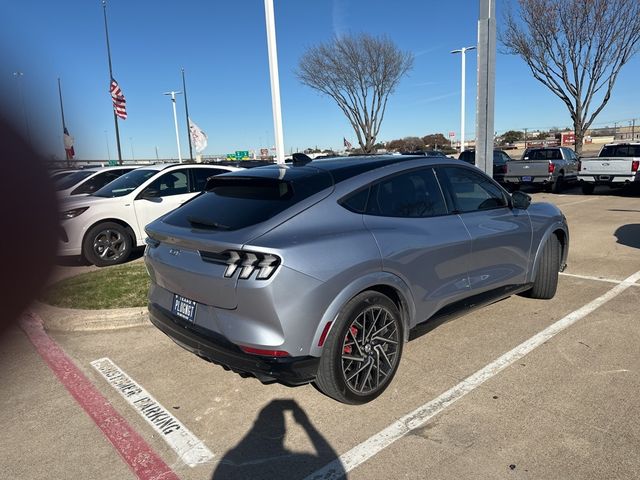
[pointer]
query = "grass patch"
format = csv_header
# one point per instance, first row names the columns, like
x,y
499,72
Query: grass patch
x,y
122,286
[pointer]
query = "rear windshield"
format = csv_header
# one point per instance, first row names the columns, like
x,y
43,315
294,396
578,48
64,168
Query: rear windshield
x,y
544,154
234,202
72,179
621,151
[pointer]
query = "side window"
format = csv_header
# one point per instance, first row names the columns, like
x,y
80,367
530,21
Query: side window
x,y
200,176
412,194
471,191
356,202
171,183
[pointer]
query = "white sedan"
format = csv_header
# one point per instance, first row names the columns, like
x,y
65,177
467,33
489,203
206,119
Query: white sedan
x,y
105,226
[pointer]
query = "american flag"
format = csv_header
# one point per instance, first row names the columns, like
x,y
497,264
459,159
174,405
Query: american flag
x,y
119,102
347,144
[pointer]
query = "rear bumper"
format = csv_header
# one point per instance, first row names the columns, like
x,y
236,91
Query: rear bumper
x,y
609,179
216,349
518,179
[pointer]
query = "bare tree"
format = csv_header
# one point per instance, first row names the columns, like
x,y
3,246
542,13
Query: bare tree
x,y
359,73
576,48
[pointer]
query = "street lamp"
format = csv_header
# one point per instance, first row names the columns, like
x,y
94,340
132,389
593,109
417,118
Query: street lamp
x,y
106,139
175,120
462,93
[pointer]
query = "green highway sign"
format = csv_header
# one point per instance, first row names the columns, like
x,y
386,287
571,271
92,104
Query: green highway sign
x,y
242,155
113,163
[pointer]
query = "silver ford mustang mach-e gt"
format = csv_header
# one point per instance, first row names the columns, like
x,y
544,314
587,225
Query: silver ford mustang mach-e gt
x,y
317,271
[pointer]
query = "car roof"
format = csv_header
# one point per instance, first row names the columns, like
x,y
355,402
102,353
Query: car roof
x,y
340,168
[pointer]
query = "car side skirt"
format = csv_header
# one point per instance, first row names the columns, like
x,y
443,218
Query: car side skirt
x,y
465,306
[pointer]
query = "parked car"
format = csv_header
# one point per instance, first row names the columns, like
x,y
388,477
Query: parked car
x,y
616,165
89,180
500,160
317,272
105,226
58,174
426,153
550,167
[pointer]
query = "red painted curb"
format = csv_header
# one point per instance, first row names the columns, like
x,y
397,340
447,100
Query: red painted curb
x,y
142,460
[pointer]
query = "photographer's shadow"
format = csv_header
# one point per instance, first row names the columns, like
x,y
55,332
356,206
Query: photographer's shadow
x,y
261,454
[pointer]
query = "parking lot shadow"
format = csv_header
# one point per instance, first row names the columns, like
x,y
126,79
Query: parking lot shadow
x,y
261,454
629,235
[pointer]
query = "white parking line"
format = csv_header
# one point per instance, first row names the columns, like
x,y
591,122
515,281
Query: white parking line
x,y
189,448
597,279
577,202
381,440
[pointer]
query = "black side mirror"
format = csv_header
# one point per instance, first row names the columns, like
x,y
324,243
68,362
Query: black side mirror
x,y
149,194
520,200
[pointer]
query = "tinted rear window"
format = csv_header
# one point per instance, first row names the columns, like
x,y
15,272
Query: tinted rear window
x,y
72,179
545,154
234,202
621,151
469,157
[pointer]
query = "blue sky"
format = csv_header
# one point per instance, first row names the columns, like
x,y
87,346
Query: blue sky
x,y
222,46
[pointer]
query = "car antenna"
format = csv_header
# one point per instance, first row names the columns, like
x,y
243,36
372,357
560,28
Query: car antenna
x,y
301,159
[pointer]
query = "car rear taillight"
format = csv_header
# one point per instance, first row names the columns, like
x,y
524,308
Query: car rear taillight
x,y
248,262
264,353
579,165
503,169
552,167
634,165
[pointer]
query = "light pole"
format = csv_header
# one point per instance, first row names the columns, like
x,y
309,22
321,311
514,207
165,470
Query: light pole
x,y
175,120
462,92
106,139
275,81
18,76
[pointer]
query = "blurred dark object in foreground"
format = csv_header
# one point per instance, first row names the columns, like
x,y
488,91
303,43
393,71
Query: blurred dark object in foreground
x,y
29,213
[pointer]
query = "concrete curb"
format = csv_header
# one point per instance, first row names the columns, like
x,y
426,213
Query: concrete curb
x,y
74,320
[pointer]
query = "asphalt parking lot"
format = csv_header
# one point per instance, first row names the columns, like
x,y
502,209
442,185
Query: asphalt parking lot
x,y
558,404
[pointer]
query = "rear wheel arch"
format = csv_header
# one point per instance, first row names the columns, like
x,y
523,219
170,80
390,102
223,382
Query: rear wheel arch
x,y
385,283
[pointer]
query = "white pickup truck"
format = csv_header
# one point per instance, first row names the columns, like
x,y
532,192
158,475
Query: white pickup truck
x,y
616,165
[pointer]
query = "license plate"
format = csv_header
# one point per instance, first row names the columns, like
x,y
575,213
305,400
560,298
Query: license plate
x,y
184,308
526,179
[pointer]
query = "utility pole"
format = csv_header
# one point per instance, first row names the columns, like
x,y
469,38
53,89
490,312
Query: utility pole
x,y
525,137
175,120
463,51
485,102
633,130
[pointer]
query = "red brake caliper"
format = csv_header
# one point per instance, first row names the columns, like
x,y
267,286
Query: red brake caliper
x,y
354,331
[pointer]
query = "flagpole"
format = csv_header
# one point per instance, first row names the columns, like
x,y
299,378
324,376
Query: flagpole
x,y
64,125
186,109
115,117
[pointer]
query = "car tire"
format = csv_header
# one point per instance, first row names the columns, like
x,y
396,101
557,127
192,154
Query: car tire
x,y
352,362
106,244
558,185
587,188
546,282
